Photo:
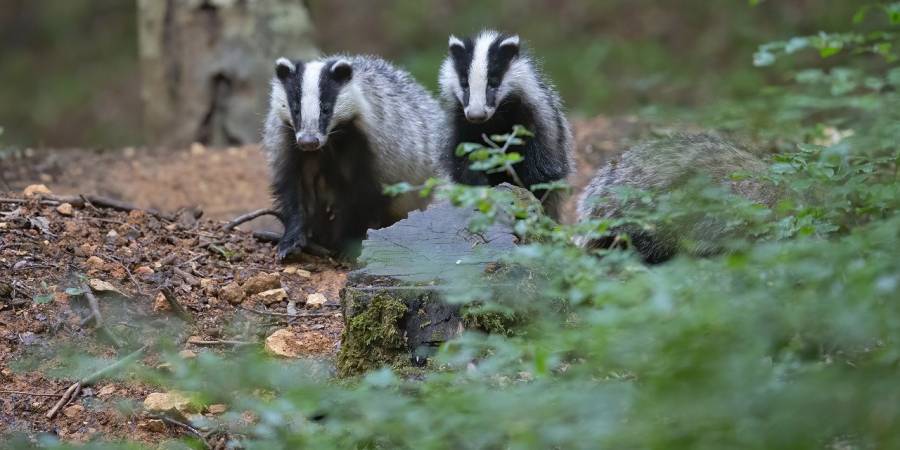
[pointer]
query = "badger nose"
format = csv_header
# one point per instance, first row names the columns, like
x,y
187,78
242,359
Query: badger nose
x,y
477,115
308,141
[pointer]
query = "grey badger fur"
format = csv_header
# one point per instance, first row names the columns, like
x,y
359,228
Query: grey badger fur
x,y
337,130
488,85
664,164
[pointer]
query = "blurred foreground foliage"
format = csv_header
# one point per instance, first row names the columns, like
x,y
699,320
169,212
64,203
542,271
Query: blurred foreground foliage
x,y
789,340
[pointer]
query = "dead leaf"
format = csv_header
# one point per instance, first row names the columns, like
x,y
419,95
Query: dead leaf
x,y
98,285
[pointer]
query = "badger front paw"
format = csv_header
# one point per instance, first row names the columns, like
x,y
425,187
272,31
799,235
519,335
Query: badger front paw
x,y
291,245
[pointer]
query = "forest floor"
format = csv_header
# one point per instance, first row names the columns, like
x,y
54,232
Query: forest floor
x,y
160,269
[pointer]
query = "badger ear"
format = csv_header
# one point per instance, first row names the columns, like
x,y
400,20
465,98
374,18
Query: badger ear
x,y
342,70
510,46
455,44
284,68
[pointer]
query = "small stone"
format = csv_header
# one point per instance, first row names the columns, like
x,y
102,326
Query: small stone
x,y
73,411
113,234
283,343
272,296
102,286
84,250
165,401
64,209
160,304
231,293
315,300
153,425
107,390
36,189
143,271
187,354
207,283
198,149
217,408
129,152
95,262
261,282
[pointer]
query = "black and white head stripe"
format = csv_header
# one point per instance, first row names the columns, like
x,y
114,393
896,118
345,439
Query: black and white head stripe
x,y
309,97
478,71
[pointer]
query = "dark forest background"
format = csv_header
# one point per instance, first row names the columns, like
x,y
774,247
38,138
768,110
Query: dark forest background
x,y
69,69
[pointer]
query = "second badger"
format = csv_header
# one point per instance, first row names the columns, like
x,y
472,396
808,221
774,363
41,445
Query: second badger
x,y
338,129
488,85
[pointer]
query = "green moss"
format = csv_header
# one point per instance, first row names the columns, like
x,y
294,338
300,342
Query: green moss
x,y
372,338
476,317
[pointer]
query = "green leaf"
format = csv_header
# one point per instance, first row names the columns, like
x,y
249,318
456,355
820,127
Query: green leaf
x,y
43,299
74,291
829,51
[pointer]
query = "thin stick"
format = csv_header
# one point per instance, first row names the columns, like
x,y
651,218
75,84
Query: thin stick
x,y
221,342
94,304
275,314
83,199
36,394
180,424
173,302
250,216
188,278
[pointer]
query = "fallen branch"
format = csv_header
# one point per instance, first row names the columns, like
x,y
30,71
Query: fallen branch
x,y
250,216
90,379
83,200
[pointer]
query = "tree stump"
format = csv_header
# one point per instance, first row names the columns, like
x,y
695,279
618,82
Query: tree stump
x,y
394,308
206,65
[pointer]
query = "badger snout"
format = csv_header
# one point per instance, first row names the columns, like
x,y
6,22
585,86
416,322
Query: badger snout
x,y
309,141
479,115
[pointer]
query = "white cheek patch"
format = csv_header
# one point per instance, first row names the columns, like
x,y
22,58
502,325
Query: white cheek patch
x,y
478,71
279,102
309,102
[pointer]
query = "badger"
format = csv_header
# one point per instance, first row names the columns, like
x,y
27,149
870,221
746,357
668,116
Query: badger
x,y
488,84
662,165
338,129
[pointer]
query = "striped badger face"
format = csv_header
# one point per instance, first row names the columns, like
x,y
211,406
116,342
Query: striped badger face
x,y
478,72
308,99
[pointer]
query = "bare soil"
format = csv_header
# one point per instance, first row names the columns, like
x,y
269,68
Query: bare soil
x,y
46,256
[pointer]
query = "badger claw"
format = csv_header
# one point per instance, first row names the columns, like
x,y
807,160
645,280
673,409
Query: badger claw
x,y
290,246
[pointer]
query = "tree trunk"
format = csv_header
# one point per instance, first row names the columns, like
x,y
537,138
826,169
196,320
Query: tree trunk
x,y
206,65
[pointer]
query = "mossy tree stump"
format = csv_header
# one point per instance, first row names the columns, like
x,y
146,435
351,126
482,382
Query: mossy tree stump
x,y
394,307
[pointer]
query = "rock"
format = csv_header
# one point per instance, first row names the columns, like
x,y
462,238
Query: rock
x,y
283,343
165,401
160,304
85,250
217,408
106,391
95,262
187,354
294,270
98,285
153,425
143,271
35,190
272,296
231,293
315,300
73,411
64,209
261,282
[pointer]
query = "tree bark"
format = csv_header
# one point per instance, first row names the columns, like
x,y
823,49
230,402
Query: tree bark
x,y
206,65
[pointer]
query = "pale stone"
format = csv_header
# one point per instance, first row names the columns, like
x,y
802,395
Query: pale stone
x,y
64,209
316,300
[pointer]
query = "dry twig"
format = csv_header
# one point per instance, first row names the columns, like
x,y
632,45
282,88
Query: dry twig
x,y
250,216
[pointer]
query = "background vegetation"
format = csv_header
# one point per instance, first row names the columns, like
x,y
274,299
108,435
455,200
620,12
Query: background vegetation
x,y
69,74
